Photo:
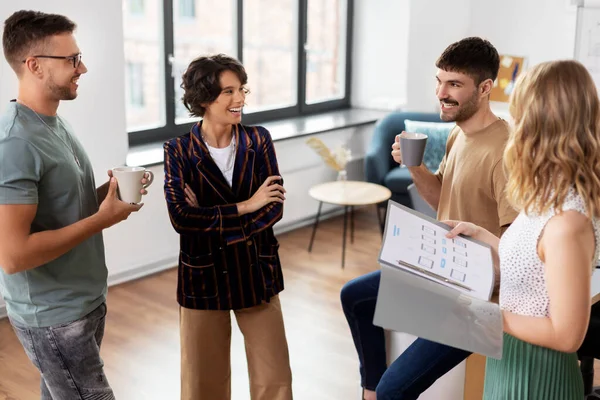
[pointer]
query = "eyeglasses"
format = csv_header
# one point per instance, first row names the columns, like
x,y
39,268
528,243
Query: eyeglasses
x,y
76,59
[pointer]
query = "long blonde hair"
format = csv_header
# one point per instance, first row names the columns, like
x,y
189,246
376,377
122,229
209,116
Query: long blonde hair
x,y
555,145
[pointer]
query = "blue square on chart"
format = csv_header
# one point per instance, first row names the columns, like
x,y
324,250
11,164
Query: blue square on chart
x,y
444,250
443,263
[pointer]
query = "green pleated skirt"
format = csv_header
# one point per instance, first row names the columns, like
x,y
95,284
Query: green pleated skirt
x,y
530,372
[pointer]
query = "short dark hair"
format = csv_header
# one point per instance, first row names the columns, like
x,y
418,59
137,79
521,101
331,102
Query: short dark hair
x,y
472,56
200,82
25,30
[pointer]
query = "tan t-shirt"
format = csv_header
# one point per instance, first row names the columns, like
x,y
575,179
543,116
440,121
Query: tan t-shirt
x,y
473,179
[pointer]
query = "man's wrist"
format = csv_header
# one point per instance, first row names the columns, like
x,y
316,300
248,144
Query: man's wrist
x,y
96,222
421,168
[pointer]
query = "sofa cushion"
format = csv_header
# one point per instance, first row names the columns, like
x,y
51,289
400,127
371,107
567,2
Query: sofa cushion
x,y
397,180
437,134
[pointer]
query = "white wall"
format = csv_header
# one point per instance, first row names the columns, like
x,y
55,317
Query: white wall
x,y
396,43
540,30
412,34
379,60
434,24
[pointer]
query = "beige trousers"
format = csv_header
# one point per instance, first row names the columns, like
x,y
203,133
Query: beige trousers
x,y
205,353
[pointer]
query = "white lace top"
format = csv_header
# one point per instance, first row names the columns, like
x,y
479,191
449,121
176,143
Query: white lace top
x,y
522,280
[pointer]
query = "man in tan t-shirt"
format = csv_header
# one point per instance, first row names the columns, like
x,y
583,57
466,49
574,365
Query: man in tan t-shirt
x,y
471,178
468,186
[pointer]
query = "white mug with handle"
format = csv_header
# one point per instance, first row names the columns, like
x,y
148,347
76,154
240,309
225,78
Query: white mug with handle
x,y
129,183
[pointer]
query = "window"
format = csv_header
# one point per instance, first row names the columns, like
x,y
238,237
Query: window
x,y
187,8
295,53
144,69
270,53
325,51
201,36
135,84
135,7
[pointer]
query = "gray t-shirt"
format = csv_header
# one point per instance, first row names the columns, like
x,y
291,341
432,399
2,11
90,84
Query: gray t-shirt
x,y
38,166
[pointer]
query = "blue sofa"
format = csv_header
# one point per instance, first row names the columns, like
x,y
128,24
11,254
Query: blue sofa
x,y
381,168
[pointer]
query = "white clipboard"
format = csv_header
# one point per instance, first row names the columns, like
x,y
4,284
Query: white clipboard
x,y
427,302
417,243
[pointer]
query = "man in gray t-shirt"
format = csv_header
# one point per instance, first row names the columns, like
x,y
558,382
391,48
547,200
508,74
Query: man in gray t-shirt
x,y
38,170
52,268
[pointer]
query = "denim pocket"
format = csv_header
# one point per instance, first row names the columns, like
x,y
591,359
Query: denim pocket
x,y
77,349
26,338
199,277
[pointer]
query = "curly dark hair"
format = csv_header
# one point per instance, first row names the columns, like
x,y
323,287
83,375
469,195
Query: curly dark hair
x,y
472,56
25,30
200,82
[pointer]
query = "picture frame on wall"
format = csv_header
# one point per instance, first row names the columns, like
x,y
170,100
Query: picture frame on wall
x,y
510,68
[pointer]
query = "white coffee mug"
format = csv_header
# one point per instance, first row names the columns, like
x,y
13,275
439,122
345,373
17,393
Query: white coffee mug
x,y
129,181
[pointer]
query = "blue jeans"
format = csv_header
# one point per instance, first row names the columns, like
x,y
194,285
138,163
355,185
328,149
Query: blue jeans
x,y
417,368
68,357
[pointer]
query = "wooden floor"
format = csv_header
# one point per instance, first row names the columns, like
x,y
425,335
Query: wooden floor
x,y
141,344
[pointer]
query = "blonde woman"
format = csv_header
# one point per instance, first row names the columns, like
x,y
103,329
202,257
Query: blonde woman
x,y
547,256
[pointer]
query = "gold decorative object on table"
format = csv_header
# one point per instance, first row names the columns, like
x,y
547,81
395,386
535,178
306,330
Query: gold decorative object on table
x,y
336,159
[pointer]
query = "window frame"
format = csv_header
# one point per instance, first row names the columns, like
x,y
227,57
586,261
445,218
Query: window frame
x,y
171,129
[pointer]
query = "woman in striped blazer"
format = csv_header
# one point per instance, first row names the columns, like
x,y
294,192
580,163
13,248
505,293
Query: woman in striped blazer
x,y
224,194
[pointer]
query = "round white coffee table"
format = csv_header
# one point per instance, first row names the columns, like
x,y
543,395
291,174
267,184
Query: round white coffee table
x,y
347,194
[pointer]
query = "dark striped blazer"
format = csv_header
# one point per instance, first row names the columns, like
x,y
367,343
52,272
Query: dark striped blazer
x,y
226,261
